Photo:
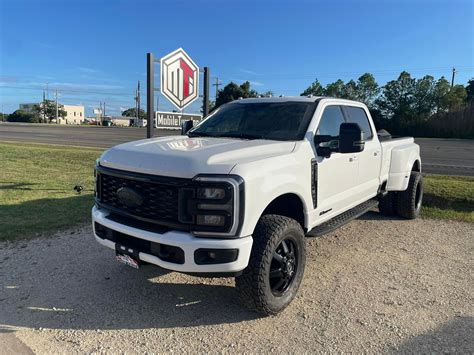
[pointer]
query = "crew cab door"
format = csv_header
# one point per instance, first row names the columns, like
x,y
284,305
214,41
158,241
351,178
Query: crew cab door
x,y
336,185
370,158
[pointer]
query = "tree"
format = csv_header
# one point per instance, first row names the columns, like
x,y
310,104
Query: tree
x,y
132,112
441,89
335,89
367,89
424,97
397,99
455,98
233,91
22,116
470,90
350,91
47,109
315,89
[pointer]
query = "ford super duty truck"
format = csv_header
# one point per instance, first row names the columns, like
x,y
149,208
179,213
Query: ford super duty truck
x,y
236,195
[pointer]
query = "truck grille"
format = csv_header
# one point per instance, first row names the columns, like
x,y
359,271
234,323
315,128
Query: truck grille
x,y
159,198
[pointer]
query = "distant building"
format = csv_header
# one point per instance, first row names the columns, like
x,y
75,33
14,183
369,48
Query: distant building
x,y
117,121
74,115
28,107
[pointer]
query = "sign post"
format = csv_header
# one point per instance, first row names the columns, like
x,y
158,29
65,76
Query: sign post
x,y
150,90
205,104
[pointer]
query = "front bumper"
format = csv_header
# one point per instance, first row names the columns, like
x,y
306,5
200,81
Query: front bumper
x,y
186,241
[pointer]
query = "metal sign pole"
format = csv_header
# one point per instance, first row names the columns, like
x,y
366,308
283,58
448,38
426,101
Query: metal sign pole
x,y
150,89
205,108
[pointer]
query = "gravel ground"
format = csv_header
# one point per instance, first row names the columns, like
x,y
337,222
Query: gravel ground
x,y
374,285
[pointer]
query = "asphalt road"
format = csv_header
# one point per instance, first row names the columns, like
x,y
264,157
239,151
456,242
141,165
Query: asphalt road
x,y
439,156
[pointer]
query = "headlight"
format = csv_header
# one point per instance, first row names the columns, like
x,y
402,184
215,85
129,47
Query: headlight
x,y
212,193
213,205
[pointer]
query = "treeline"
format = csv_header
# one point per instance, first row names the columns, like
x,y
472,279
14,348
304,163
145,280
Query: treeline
x,y
425,107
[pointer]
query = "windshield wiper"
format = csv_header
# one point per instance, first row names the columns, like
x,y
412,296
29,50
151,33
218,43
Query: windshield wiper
x,y
242,135
200,134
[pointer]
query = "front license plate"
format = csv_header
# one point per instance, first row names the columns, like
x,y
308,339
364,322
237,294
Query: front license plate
x,y
128,260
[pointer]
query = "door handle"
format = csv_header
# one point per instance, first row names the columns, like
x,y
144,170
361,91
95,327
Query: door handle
x,y
354,158
376,153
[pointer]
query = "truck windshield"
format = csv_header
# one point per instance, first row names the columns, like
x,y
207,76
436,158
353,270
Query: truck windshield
x,y
283,121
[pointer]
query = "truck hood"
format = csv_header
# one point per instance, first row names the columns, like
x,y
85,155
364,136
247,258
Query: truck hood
x,y
181,156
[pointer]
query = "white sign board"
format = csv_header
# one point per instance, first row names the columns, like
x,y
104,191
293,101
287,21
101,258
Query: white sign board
x,y
179,78
172,120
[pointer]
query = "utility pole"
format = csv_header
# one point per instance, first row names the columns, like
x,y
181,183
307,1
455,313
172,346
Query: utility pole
x,y
44,107
452,78
138,102
217,84
57,118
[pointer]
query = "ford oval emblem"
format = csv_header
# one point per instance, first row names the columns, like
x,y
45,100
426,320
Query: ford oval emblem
x,y
129,197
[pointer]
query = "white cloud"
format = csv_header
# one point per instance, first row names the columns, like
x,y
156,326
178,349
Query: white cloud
x,y
87,70
256,83
246,71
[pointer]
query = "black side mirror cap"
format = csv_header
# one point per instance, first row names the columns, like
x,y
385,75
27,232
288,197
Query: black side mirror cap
x,y
186,126
351,138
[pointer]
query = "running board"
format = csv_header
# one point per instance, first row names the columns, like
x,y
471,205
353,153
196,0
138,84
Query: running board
x,y
342,219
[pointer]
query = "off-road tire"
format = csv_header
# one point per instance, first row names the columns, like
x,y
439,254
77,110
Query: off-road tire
x,y
254,284
387,204
409,201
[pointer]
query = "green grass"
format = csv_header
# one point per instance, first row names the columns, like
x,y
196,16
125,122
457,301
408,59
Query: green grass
x,y
448,197
36,188
37,196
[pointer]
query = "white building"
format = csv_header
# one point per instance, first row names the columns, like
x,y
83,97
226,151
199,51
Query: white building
x,y
74,115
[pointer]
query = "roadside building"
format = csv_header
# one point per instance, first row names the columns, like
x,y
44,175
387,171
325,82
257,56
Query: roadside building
x,y
74,115
116,121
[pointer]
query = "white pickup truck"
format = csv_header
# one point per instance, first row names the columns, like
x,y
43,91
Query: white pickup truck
x,y
236,195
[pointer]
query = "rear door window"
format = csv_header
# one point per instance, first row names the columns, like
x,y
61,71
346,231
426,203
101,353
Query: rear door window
x,y
358,115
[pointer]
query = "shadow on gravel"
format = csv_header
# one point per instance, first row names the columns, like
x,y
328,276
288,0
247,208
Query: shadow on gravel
x,y
455,336
376,216
83,287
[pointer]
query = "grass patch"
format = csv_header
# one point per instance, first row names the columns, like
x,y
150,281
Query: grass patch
x,y
36,188
448,197
37,196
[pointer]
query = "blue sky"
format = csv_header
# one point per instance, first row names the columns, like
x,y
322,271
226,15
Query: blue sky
x,y
96,50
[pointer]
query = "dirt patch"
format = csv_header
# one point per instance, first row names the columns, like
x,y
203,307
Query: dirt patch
x,y
374,285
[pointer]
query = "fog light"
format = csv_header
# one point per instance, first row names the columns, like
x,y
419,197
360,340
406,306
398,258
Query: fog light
x,y
215,256
210,220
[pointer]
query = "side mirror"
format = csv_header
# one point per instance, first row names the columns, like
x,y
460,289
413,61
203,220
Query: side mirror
x,y
186,126
351,138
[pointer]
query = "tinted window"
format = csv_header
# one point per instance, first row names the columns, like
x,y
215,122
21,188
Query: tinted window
x,y
330,122
357,115
272,120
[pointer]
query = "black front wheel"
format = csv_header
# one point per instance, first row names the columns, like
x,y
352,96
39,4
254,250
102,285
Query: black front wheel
x,y
276,267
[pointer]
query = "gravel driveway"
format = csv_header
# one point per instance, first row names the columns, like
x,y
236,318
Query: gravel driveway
x,y
374,285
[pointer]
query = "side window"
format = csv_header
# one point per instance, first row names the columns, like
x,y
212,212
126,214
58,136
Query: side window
x,y
358,115
330,121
